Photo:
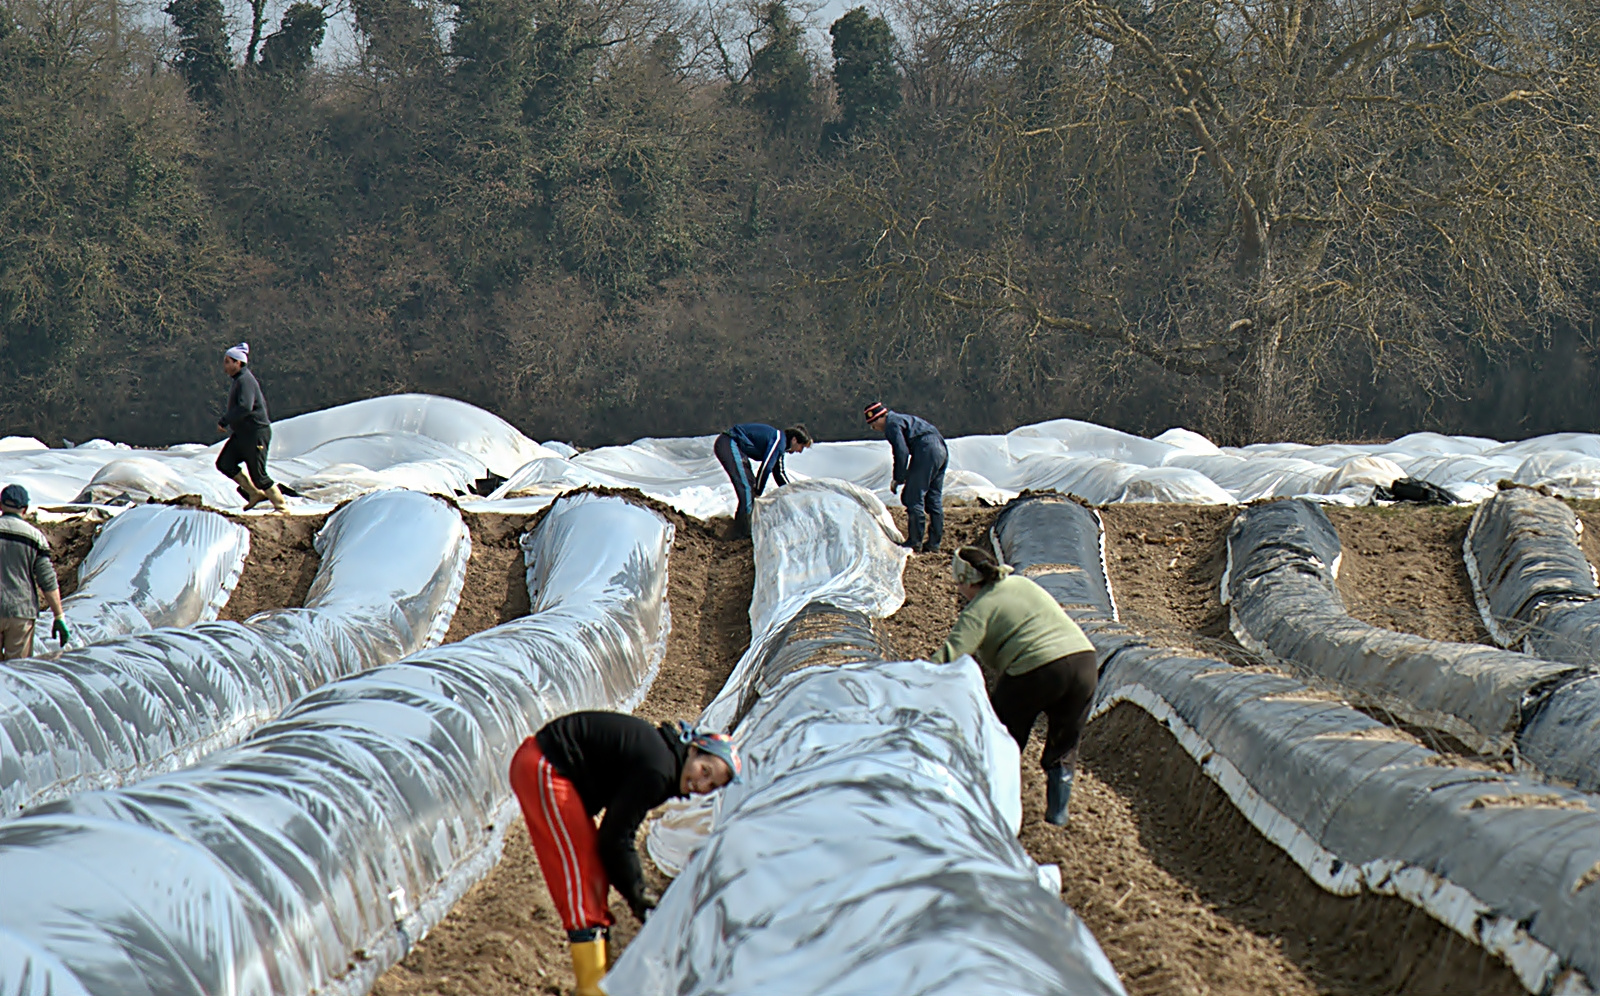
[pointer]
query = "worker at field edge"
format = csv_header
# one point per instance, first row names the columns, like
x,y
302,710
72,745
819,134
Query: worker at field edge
x,y
582,764
920,460
766,446
250,433
1014,628
25,565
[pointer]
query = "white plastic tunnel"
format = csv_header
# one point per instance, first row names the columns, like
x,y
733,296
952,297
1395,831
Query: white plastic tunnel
x,y
393,563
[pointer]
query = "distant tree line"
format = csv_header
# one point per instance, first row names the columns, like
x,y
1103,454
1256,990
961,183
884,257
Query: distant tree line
x,y
612,218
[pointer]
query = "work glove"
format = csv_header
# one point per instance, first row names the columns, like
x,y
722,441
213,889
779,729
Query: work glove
x,y
644,905
59,631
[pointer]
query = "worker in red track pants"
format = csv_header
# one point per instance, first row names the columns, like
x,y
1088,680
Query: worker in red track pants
x,y
588,762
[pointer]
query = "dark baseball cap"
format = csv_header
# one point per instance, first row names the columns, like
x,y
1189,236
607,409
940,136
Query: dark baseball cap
x,y
14,496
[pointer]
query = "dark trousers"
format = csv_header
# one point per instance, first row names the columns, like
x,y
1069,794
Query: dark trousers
x,y
923,495
1063,690
248,445
738,470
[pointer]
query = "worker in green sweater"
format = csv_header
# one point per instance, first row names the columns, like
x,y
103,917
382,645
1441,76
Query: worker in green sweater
x,y
1044,663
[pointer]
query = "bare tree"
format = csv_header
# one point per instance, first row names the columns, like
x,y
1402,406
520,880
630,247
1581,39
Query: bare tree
x,y
1260,192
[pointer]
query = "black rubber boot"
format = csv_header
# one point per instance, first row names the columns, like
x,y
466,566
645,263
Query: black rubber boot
x,y
1057,792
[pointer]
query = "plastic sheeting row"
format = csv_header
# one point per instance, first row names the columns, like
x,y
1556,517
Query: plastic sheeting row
x,y
393,563
154,566
310,857
1535,587
1281,590
870,845
1509,863
444,446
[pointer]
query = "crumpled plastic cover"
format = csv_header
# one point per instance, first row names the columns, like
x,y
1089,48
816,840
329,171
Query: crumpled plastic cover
x,y
312,856
1533,585
870,844
815,541
393,563
153,566
1283,601
1506,861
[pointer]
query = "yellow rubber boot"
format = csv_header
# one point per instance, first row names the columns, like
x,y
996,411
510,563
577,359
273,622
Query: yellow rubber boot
x,y
275,496
251,494
589,965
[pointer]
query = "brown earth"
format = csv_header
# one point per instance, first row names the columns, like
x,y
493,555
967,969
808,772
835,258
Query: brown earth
x,y
496,588
70,541
1166,564
281,565
1402,569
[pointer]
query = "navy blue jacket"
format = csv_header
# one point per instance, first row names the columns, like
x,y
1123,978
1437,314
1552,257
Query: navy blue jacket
x,y
909,434
765,445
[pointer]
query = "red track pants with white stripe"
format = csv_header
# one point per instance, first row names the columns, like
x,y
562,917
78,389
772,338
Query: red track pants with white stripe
x,y
564,839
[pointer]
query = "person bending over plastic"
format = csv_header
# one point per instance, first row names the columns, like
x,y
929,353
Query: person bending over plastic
x,y
764,445
586,762
920,460
1045,664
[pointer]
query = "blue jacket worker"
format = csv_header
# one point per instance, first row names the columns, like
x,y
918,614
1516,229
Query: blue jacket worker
x,y
920,459
754,441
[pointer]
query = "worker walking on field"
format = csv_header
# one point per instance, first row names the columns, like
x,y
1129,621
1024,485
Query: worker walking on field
x,y
25,565
920,459
1045,664
250,433
754,441
588,762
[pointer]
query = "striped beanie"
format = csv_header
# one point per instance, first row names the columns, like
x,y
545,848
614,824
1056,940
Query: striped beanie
x,y
240,352
875,410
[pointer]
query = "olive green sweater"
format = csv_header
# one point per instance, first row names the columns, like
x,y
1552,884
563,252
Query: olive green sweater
x,y
1012,627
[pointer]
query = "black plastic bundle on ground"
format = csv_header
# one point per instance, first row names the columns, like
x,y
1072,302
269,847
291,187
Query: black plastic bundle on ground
x,y
1283,598
1507,862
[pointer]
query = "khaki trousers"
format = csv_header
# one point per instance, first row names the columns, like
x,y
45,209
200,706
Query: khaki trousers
x,y
16,639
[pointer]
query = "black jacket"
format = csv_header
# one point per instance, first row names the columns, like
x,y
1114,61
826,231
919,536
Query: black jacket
x,y
246,405
623,765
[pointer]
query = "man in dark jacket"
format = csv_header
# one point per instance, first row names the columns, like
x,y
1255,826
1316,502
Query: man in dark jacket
x,y
765,446
586,763
25,565
920,459
250,433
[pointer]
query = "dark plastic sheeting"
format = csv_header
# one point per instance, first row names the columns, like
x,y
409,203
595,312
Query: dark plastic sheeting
x,y
870,846
1283,600
1070,566
1510,863
1533,585
154,566
309,858
393,563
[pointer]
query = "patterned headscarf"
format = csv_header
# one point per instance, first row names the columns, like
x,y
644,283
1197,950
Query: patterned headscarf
x,y
965,573
715,744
